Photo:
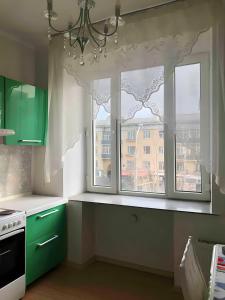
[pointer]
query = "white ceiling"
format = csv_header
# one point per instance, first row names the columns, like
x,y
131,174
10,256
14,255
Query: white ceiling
x,y
24,19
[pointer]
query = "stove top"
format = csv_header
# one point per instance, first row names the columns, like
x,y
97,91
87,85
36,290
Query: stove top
x,y
11,220
6,212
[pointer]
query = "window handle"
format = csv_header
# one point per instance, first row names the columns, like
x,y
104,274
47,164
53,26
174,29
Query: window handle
x,y
6,252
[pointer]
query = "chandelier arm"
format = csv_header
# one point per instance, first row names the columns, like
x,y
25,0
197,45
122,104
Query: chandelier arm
x,y
63,31
78,33
92,36
95,39
101,33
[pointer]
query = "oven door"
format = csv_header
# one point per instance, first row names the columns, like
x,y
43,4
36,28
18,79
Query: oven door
x,y
12,256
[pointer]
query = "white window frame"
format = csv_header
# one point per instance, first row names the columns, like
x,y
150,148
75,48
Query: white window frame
x,y
169,139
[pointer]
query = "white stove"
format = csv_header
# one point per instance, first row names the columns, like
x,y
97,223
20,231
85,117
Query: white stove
x,y
12,254
11,220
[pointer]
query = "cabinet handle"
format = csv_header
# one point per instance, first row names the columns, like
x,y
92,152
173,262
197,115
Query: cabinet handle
x,y
30,141
48,214
4,253
48,241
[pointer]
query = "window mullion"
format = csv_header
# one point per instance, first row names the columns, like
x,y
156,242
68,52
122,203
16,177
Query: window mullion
x,y
169,136
115,117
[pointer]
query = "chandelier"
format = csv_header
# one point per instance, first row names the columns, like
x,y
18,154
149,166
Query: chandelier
x,y
83,32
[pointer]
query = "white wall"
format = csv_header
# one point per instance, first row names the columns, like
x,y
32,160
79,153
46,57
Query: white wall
x,y
39,185
147,241
17,61
41,70
155,241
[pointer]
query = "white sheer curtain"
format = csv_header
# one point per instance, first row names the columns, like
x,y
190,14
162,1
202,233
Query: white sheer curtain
x,y
218,104
159,37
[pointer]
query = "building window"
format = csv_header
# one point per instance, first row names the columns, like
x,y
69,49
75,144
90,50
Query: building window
x,y
161,150
147,149
131,135
147,164
106,150
131,150
106,136
161,165
130,164
161,134
169,163
180,166
147,134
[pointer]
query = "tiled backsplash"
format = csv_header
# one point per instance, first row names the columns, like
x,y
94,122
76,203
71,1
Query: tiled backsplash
x,y
15,170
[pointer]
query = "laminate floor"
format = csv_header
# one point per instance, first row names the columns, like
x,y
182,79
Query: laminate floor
x,y
101,281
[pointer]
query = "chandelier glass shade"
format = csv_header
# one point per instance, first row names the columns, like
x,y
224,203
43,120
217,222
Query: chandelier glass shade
x,y
83,32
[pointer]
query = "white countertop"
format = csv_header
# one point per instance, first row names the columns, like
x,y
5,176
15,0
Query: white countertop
x,y
32,204
144,202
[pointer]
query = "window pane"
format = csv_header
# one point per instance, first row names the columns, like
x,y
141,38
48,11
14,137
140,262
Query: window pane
x,y
188,93
101,100
142,112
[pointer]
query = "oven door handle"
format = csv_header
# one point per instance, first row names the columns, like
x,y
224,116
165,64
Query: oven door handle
x,y
5,236
6,252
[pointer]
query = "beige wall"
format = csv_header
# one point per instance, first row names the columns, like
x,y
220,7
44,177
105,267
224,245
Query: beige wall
x,y
17,61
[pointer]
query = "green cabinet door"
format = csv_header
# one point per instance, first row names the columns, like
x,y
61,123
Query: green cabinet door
x,y
44,254
46,241
1,102
25,112
12,97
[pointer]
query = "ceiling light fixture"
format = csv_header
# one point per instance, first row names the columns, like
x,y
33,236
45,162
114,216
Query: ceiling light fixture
x,y
83,31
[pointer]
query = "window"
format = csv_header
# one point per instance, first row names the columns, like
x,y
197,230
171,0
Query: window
x,y
147,149
147,165
142,154
101,132
106,136
161,134
188,127
131,135
106,150
180,166
130,164
147,134
131,150
161,150
161,165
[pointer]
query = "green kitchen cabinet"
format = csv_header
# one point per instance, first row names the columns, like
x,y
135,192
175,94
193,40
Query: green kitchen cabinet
x,y
45,242
26,113
1,102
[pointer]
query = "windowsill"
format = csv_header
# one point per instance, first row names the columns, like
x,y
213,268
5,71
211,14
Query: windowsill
x,y
186,206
